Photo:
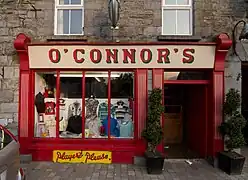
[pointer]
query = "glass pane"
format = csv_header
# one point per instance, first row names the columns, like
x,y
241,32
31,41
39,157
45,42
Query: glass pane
x,y
63,22
186,75
121,121
96,104
170,2
70,109
183,22
65,2
75,1
76,22
45,111
182,2
62,2
169,22
5,139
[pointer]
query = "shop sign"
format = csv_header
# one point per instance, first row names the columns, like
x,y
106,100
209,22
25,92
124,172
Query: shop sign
x,y
87,157
139,56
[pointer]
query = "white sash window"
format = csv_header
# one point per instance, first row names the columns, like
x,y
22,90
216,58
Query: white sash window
x,y
69,17
177,17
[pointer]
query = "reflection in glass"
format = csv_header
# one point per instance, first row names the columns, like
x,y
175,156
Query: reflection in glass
x,y
70,105
70,21
169,18
63,21
182,2
176,2
76,21
121,120
183,22
45,90
96,104
70,2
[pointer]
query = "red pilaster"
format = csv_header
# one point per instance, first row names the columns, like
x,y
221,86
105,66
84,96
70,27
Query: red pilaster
x,y
218,90
140,101
20,45
158,82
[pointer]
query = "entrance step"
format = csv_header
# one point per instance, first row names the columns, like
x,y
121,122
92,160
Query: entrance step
x,y
139,160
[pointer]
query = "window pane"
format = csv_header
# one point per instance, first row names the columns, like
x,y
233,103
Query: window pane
x,y
76,22
182,2
183,22
122,101
96,104
70,109
65,2
75,1
63,22
45,90
170,2
169,22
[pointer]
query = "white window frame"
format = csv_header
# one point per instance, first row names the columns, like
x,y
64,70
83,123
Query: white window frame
x,y
69,7
178,7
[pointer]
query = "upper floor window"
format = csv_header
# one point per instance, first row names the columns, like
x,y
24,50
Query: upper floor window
x,y
177,17
69,17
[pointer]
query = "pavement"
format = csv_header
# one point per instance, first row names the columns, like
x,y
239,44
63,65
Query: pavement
x,y
173,170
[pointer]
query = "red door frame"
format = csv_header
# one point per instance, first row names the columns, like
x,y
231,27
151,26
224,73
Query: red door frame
x,y
216,91
223,43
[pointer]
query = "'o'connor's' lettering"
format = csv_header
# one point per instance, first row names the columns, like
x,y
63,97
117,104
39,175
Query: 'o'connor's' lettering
x,y
112,55
124,55
163,55
98,54
128,54
52,53
188,55
148,54
75,55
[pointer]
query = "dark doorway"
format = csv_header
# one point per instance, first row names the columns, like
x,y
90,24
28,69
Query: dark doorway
x,y
185,120
244,95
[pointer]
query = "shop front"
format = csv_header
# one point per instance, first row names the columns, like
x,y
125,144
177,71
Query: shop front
x,y
87,102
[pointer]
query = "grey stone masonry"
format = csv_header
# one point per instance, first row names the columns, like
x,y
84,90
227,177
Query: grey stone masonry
x,y
140,20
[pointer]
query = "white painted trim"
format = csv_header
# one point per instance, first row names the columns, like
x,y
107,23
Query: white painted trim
x,y
69,7
179,7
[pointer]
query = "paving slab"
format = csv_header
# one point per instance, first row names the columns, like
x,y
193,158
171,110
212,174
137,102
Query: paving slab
x,y
173,170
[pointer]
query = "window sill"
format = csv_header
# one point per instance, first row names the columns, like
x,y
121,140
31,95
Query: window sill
x,y
67,38
178,38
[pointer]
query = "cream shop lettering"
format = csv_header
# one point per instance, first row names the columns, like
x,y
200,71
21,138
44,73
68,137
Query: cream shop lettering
x,y
122,55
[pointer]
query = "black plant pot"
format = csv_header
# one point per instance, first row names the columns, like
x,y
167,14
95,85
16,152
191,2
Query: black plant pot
x,y
154,162
231,162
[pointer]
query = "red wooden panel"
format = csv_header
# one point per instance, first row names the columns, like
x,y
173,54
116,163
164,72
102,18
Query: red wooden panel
x,y
218,100
24,104
141,100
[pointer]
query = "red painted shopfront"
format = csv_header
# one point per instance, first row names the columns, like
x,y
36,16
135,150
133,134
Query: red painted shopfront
x,y
75,87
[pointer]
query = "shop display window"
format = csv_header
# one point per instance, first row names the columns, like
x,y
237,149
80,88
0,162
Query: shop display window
x,y
91,115
44,101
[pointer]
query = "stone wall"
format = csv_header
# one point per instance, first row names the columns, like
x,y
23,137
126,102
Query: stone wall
x,y
140,20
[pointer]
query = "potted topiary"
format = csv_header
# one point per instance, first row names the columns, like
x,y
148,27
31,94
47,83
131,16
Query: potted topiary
x,y
153,133
230,161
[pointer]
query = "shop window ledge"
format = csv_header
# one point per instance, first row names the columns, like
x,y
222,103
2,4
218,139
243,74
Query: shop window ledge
x,y
58,38
178,38
83,146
